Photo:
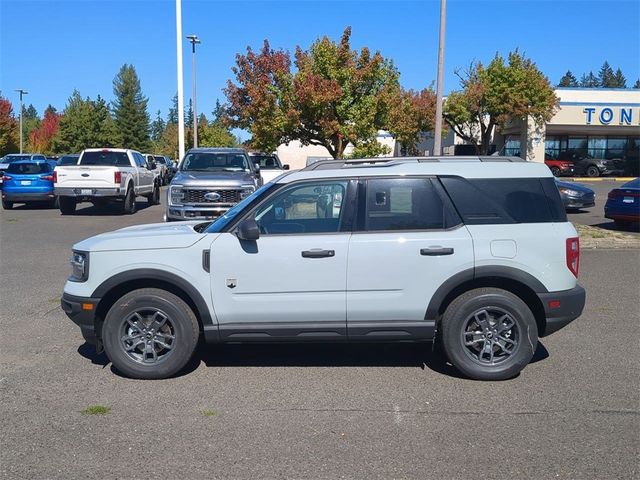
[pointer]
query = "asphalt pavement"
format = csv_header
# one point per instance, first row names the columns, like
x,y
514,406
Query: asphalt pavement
x,y
312,411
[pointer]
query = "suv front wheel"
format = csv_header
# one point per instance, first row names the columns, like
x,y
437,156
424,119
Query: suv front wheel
x,y
150,333
489,334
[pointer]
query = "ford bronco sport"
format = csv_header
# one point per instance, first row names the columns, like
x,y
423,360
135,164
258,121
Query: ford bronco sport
x,y
475,253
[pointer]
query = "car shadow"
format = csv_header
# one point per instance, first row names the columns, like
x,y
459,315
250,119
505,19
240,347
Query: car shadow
x,y
628,227
110,209
34,206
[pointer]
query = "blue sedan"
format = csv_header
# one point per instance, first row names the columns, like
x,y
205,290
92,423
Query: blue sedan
x,y
27,181
623,203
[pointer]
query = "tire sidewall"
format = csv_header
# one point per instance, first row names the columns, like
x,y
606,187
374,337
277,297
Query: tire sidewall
x,y
454,322
592,171
129,206
184,344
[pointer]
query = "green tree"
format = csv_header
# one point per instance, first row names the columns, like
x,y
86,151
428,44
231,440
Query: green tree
x,y
50,109
589,81
172,118
336,96
130,110
168,142
214,134
157,127
606,77
495,95
568,80
619,80
30,122
637,84
9,134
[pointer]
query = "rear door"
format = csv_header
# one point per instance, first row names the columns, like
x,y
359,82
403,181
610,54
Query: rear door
x,y
408,242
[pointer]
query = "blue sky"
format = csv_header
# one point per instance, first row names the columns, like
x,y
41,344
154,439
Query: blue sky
x,y
52,47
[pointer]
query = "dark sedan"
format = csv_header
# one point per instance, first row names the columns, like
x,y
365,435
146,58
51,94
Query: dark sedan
x,y
576,196
623,203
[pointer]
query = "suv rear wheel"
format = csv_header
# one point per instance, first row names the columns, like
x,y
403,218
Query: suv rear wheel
x,y
129,203
7,205
489,334
150,333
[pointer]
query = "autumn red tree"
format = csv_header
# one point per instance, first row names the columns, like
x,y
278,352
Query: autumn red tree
x,y
41,139
9,134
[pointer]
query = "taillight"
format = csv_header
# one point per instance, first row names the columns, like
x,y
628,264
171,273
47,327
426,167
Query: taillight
x,y
573,255
117,177
47,177
6,178
55,177
614,193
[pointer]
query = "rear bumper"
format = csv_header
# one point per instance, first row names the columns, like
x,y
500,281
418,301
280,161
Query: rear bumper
x,y
77,309
27,196
89,192
562,308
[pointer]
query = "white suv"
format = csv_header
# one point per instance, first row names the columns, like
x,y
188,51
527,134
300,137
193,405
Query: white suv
x,y
472,252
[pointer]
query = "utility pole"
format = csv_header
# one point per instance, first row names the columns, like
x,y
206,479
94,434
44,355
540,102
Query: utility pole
x,y
194,39
180,85
437,141
21,92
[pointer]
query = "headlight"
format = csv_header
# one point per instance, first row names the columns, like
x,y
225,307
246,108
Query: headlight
x,y
569,192
176,194
246,191
79,266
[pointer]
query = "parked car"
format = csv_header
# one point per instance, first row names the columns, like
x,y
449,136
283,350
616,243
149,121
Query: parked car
x,y
106,174
69,159
14,157
28,181
559,167
586,165
576,196
623,203
270,165
169,168
209,182
160,169
473,253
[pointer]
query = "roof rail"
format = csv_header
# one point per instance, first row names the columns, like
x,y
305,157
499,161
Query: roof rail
x,y
391,161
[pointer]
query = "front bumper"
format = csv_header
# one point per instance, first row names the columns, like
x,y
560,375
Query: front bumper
x,y
27,196
562,308
77,309
89,192
195,212
577,202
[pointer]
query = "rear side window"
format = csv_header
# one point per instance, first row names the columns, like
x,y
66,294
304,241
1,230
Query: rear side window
x,y
28,168
107,158
405,204
505,200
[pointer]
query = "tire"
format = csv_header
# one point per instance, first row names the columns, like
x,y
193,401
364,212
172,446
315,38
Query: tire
x,y
129,203
145,356
555,171
592,171
67,205
7,205
463,322
154,197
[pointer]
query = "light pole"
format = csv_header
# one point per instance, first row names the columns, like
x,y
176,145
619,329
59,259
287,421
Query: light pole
x,y
194,39
180,84
437,141
21,92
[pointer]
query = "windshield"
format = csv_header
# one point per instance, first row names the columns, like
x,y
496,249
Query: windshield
x,y
266,162
107,158
29,168
214,162
228,217
15,158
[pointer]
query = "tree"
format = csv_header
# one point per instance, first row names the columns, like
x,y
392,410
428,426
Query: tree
x,y
157,127
172,118
9,135
168,142
50,109
30,122
619,80
589,81
336,96
606,76
41,138
493,96
568,80
637,84
412,114
130,110
214,134
188,115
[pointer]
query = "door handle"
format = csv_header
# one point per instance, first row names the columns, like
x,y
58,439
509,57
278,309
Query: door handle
x,y
436,251
318,253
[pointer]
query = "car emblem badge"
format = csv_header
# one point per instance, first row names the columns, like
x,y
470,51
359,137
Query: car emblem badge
x,y
212,196
231,282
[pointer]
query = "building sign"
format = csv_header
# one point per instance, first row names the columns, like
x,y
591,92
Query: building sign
x,y
611,115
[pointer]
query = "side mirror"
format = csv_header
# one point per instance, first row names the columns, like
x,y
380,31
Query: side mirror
x,y
285,166
248,230
257,166
152,166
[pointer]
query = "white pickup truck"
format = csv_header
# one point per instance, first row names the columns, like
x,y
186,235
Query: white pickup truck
x,y
106,174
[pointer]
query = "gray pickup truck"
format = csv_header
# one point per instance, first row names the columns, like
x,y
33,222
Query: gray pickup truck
x,y
210,181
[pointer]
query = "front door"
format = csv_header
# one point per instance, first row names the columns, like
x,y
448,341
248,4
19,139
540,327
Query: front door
x,y
291,282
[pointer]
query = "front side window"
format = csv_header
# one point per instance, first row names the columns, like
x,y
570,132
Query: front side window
x,y
212,162
404,204
307,208
266,162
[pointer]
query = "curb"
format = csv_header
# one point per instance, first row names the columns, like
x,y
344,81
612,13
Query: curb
x,y
597,179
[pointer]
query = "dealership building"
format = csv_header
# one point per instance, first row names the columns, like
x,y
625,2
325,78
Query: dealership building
x,y
590,122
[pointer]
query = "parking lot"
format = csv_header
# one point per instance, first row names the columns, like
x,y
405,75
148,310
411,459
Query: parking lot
x,y
322,411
